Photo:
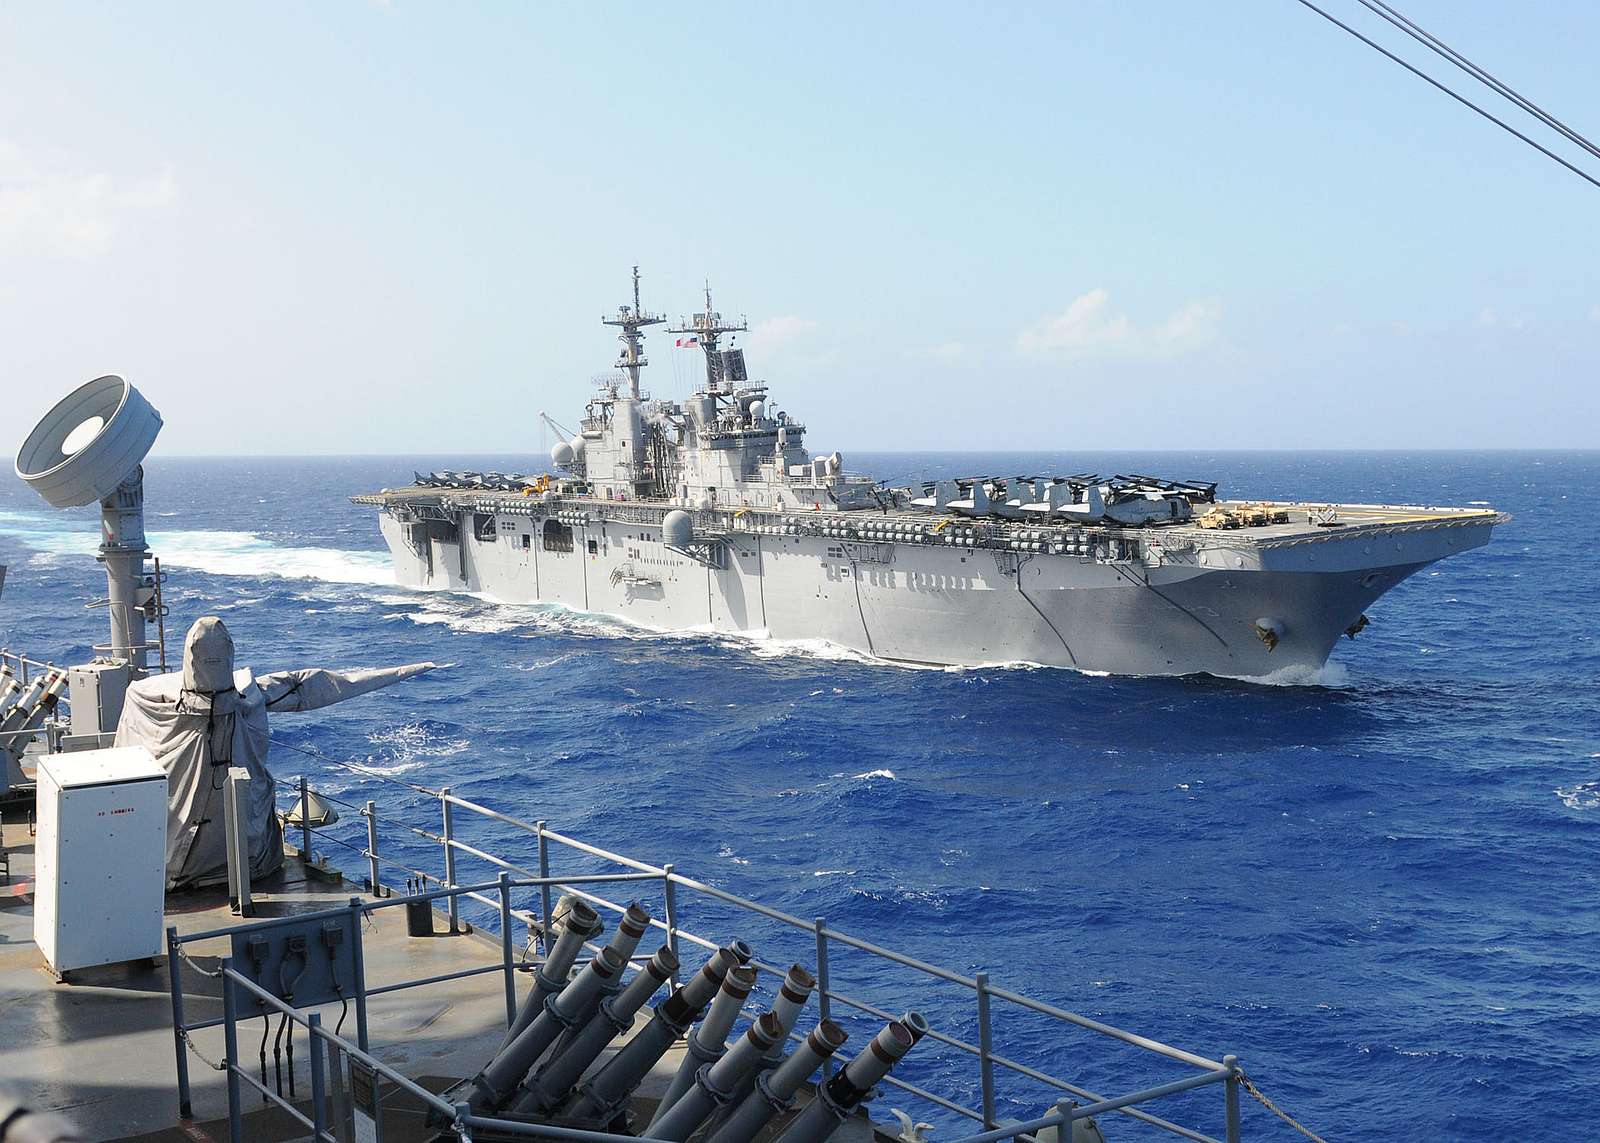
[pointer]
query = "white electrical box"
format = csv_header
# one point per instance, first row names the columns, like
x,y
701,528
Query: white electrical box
x,y
96,692
100,857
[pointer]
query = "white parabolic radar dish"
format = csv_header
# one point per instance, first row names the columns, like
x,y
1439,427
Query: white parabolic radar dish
x,y
89,443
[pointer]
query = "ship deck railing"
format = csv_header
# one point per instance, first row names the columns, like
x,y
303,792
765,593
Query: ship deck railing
x,y
24,666
389,844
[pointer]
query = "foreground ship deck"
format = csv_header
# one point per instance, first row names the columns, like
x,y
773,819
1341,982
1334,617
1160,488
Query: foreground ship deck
x,y
99,1049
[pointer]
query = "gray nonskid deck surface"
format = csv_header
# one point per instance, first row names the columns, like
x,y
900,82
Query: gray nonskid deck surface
x,y
99,1048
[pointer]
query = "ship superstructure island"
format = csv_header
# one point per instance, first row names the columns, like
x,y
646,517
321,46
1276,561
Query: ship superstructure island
x,y
710,513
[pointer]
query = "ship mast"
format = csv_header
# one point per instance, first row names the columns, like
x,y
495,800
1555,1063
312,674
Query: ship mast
x,y
630,322
707,328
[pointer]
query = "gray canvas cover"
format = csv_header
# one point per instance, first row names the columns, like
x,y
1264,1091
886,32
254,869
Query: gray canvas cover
x,y
209,716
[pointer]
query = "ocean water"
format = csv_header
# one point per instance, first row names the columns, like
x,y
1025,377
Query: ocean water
x,y
1378,887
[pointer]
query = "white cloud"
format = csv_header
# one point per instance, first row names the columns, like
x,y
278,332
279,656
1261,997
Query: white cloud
x,y
46,203
946,353
1089,324
1489,318
1085,323
1194,323
779,333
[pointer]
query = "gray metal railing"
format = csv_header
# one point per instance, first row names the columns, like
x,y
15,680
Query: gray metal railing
x,y
25,667
23,664
459,1115
826,939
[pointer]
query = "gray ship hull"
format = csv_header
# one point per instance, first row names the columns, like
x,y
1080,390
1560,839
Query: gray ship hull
x,y
1172,606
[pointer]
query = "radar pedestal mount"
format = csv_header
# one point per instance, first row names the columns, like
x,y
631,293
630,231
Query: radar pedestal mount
x,y
88,448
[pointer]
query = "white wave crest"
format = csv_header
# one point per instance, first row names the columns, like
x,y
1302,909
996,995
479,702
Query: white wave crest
x,y
405,747
1583,796
216,552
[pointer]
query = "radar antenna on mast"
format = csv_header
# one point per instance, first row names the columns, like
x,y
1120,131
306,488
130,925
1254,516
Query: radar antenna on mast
x,y
707,328
630,322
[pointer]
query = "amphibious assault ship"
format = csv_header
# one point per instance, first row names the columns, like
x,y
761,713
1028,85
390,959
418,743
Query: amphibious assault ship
x,y
710,513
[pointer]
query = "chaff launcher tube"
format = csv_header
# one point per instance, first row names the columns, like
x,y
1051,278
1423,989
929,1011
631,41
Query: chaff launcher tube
x,y
9,688
578,923
605,1092
24,703
836,1099
774,1090
710,1039
555,1077
634,924
31,715
495,1083
715,1084
793,993
624,940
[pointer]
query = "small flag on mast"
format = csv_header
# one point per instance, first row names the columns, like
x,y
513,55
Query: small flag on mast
x,y
688,342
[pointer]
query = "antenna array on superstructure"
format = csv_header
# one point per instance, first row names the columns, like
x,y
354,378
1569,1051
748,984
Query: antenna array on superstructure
x,y
630,322
708,327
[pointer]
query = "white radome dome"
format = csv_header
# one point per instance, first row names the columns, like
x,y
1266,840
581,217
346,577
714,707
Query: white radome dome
x,y
677,530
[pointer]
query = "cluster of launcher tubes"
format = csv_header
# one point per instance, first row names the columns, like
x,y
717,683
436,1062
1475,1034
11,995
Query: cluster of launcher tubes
x,y
544,1069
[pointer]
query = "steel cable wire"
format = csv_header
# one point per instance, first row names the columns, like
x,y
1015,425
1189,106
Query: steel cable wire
x,y
1459,98
1249,1086
1435,44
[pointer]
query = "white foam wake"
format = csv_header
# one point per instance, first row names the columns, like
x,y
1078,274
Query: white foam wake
x,y
216,552
1331,674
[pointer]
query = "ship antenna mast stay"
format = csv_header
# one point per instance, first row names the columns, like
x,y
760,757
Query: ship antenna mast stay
x,y
707,327
630,322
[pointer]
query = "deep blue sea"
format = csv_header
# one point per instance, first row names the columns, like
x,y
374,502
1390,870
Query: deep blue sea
x,y
1379,889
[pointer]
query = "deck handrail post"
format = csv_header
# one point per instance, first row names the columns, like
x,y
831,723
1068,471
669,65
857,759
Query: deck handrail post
x,y
669,891
985,1050
372,848
230,1058
185,1098
545,936
505,948
319,1114
359,962
824,1003
1231,1098
452,907
305,820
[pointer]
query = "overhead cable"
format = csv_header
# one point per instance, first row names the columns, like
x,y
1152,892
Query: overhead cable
x,y
1420,74
1426,38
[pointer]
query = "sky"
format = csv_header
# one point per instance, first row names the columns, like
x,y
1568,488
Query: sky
x,y
355,227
